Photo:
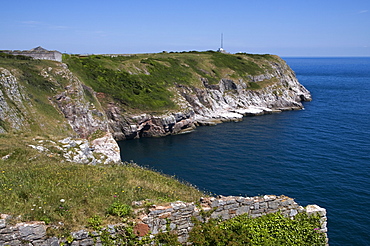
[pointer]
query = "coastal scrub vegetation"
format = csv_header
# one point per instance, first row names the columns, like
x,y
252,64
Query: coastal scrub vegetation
x,y
269,230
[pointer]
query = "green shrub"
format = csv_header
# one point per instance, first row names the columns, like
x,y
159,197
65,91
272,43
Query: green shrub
x,y
271,229
95,222
119,209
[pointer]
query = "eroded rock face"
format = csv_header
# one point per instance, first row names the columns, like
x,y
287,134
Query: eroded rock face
x,y
84,117
206,104
12,102
229,100
73,99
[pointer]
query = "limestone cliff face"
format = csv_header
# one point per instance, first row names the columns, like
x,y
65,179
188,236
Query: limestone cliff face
x,y
78,104
12,102
229,100
66,101
68,106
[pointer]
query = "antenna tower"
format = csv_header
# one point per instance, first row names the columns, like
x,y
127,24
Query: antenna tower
x,y
222,40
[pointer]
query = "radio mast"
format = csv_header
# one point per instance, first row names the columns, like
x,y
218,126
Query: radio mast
x,y
222,41
221,49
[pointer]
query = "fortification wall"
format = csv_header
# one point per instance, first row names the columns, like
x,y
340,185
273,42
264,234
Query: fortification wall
x,y
43,54
175,217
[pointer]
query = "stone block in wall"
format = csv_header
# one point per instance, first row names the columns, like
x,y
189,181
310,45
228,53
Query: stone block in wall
x,y
256,215
242,210
178,205
263,205
287,202
32,231
231,206
75,243
273,204
314,209
87,242
141,229
224,215
231,201
8,237
255,206
13,243
257,211
268,198
79,235
8,230
293,213
49,242
240,199
2,223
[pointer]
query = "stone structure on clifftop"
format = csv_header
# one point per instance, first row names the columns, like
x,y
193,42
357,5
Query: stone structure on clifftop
x,y
37,53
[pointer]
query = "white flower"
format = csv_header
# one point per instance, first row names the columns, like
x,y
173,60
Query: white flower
x,y
62,200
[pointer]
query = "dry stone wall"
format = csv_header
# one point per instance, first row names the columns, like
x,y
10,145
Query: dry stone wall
x,y
175,217
178,216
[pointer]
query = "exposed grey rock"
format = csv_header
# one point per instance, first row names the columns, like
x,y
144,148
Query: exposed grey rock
x,y
50,242
2,223
79,235
32,231
229,100
12,99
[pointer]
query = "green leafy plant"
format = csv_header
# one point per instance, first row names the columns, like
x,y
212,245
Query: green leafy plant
x,y
95,222
271,229
119,209
167,239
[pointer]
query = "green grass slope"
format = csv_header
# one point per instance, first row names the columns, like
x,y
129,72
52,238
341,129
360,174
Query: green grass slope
x,y
142,82
41,186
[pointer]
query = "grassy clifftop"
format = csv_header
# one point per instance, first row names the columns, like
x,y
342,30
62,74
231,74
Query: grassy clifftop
x,y
143,81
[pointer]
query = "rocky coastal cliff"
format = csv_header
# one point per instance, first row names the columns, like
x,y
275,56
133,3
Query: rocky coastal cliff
x,y
228,100
89,97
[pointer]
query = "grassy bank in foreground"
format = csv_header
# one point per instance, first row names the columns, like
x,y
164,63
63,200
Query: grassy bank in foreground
x,y
41,187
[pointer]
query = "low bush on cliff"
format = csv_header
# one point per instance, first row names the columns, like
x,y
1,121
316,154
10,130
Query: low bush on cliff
x,y
43,187
271,229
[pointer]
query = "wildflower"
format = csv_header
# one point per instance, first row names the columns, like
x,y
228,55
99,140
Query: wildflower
x,y
316,229
114,196
2,171
62,200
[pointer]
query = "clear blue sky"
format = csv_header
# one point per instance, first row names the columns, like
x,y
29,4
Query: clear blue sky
x,y
284,27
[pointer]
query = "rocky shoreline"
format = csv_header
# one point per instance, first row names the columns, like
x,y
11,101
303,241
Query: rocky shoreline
x,y
229,100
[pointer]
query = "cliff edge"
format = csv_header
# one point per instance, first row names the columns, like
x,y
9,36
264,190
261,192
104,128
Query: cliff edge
x,y
146,95
152,95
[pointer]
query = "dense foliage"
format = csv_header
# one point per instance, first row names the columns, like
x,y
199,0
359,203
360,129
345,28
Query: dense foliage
x,y
272,229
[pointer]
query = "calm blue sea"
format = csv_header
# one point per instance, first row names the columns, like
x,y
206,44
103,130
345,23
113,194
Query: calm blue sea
x,y
320,155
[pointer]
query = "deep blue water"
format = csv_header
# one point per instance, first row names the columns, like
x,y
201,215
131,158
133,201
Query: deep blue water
x,y
320,155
